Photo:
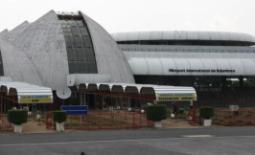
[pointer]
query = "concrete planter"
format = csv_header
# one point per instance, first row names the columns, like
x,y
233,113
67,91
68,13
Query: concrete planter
x,y
158,125
172,115
207,122
60,127
17,128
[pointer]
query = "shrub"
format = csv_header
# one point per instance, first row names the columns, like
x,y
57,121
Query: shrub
x,y
59,116
168,112
206,112
181,111
156,112
17,117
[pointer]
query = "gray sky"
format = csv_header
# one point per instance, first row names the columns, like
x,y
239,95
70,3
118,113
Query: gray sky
x,y
141,15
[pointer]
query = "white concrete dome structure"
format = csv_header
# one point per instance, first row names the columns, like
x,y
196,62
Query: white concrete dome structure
x,y
14,63
68,49
62,49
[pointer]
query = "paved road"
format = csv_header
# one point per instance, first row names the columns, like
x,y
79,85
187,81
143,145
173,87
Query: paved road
x,y
200,141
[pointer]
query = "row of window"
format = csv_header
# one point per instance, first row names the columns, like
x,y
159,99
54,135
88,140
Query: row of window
x,y
208,49
74,23
80,56
77,67
79,42
75,31
188,42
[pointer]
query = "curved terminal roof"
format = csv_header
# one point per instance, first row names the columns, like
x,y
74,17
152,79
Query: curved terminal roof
x,y
193,66
190,60
184,35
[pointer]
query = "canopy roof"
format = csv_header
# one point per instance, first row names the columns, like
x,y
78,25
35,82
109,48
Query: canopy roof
x,y
161,93
27,93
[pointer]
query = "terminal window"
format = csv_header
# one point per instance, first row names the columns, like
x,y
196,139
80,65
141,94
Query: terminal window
x,y
80,50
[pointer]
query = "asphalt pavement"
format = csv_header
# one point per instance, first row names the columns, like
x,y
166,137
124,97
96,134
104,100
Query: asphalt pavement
x,y
196,141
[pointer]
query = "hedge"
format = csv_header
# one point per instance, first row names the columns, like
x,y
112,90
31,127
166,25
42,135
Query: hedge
x,y
59,116
206,112
17,117
156,112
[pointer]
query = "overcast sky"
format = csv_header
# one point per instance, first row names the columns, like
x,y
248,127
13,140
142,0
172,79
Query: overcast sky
x,y
141,15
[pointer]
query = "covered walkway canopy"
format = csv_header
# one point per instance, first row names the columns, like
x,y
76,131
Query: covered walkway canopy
x,y
25,93
156,93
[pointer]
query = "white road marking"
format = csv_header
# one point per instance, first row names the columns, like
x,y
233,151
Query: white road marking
x,y
197,136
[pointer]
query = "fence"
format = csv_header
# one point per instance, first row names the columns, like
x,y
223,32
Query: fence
x,y
103,120
4,124
241,117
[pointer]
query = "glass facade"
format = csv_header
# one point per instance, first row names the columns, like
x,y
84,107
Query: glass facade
x,y
1,65
211,90
188,42
80,50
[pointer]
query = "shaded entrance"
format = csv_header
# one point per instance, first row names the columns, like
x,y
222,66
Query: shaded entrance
x,y
122,96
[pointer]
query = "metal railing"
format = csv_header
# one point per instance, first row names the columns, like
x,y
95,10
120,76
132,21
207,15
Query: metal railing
x,y
4,124
103,120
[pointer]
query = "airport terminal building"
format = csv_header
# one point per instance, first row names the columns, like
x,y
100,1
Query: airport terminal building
x,y
220,65
63,50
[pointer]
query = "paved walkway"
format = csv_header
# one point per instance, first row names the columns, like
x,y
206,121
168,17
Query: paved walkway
x,y
177,123
35,127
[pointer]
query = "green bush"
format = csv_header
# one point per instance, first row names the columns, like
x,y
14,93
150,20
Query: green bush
x,y
17,117
156,112
206,112
168,112
59,116
181,111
